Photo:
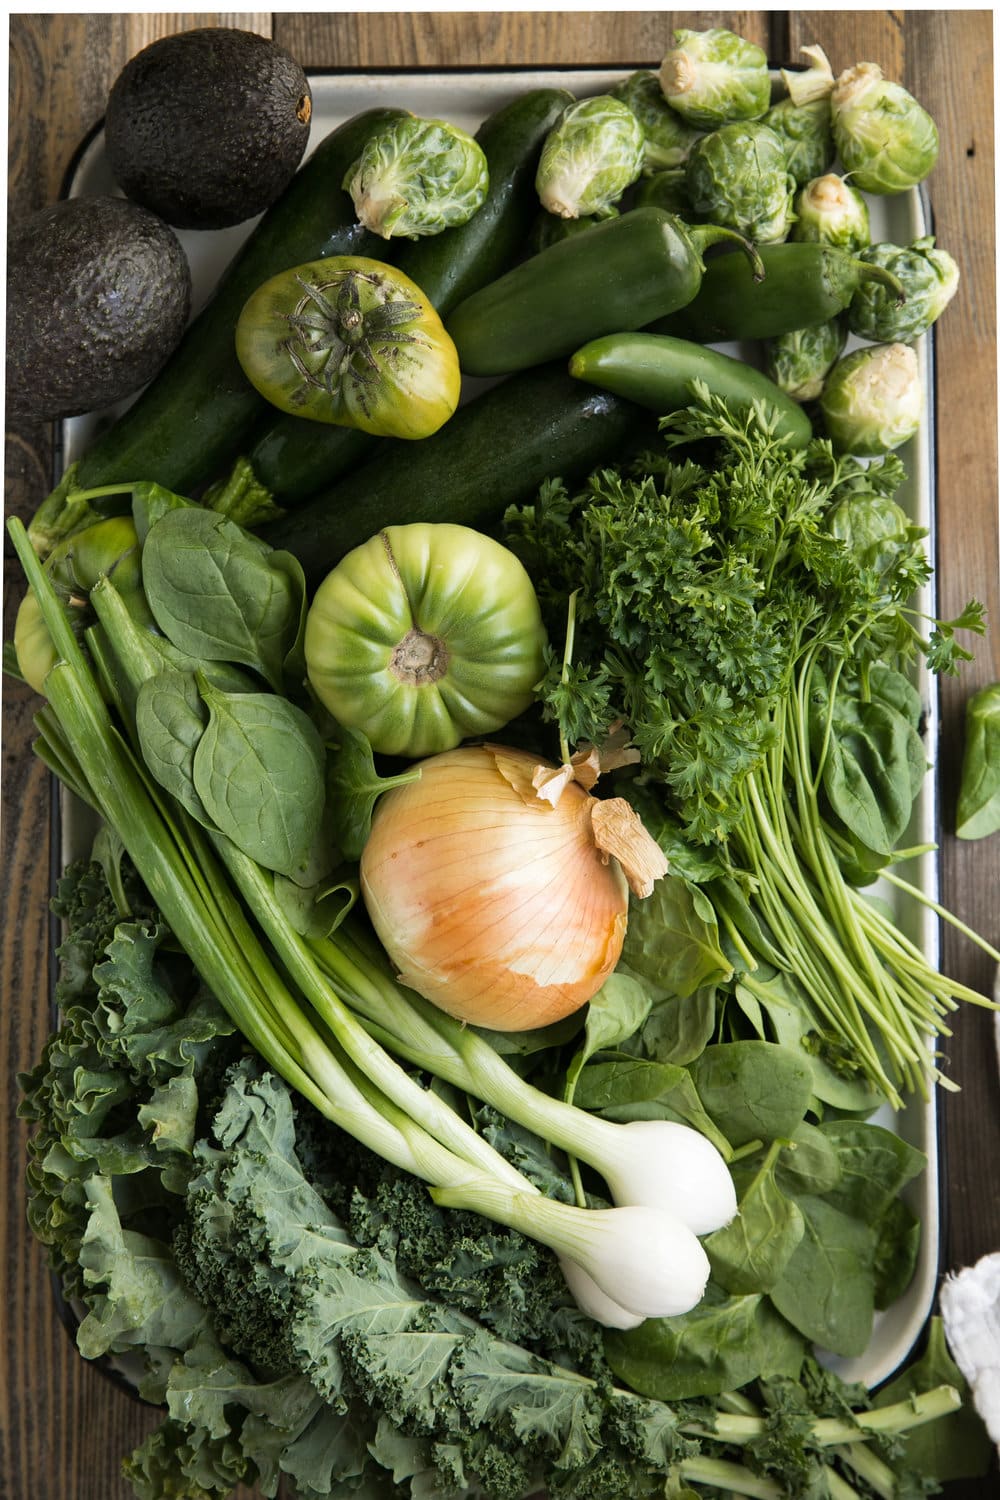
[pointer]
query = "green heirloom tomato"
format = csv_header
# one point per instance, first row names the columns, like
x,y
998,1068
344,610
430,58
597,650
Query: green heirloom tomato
x,y
108,548
418,177
352,342
33,648
424,635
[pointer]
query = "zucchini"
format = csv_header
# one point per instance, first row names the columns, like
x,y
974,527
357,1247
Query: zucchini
x,y
200,409
494,452
292,457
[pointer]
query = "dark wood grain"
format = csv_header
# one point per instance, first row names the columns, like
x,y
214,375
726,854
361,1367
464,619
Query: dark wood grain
x,y
63,1427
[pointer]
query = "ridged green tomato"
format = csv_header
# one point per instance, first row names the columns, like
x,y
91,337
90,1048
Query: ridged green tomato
x,y
352,342
423,636
107,548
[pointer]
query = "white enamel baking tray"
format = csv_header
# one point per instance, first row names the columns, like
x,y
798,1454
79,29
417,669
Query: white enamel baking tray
x,y
466,98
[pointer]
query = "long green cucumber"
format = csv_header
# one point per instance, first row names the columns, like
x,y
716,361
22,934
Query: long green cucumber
x,y
293,458
200,409
494,452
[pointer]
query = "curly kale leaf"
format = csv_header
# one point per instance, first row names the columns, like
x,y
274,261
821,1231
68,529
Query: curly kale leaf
x,y
120,1087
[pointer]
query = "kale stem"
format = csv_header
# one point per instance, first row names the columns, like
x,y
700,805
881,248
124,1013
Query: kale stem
x,y
869,1467
735,1478
837,1487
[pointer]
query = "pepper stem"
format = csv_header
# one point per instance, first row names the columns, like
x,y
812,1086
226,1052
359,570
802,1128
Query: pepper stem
x,y
866,271
704,235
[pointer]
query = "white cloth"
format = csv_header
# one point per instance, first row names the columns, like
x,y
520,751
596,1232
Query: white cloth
x,y
970,1311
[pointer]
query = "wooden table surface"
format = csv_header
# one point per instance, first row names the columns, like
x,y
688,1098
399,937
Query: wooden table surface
x,y
63,1427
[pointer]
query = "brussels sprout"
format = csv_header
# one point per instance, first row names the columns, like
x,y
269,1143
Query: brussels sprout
x,y
548,229
712,77
737,177
666,190
589,157
930,279
830,210
418,177
806,131
799,362
668,136
886,141
872,401
812,83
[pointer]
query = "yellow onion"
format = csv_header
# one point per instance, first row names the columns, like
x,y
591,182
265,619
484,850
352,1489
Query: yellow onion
x,y
499,886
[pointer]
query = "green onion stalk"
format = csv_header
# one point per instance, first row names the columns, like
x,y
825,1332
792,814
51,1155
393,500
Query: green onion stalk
x,y
864,977
221,908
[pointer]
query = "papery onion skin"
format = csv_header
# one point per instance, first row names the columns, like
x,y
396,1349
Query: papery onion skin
x,y
494,905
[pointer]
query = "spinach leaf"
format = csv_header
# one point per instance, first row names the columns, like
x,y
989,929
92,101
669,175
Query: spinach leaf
x,y
152,501
679,1027
873,766
673,939
613,1016
355,786
978,811
896,1251
753,1090
316,911
259,771
796,1027
827,1289
806,1164
721,1345
953,1447
634,1089
171,717
218,593
750,1253
875,1164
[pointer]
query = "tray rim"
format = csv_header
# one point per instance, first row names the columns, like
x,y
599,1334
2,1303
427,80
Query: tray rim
x,y
923,1289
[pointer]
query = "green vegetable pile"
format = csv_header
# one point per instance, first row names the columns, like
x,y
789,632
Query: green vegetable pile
x,y
305,1315
357,1242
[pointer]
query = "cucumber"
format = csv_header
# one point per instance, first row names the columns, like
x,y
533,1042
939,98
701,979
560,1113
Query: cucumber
x,y
199,411
494,452
291,457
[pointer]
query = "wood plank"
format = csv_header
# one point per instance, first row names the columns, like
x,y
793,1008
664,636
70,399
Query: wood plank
x,y
65,1429
371,40
945,58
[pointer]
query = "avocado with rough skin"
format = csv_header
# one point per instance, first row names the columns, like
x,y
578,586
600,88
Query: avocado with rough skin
x,y
98,296
207,127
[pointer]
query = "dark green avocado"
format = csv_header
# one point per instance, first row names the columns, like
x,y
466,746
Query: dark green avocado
x,y
98,295
207,127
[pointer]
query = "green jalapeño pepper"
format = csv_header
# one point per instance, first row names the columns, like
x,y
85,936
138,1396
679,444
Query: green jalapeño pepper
x,y
804,284
620,275
660,373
